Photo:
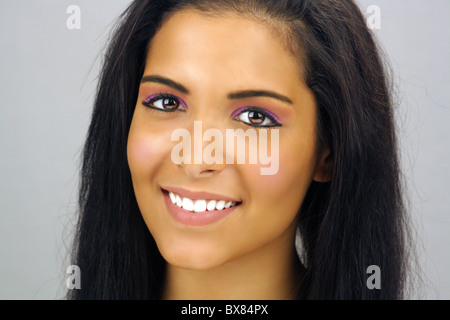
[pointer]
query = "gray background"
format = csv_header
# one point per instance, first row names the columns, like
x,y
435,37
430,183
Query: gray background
x,y
48,76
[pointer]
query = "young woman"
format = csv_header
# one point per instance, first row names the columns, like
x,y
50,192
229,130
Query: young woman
x,y
307,74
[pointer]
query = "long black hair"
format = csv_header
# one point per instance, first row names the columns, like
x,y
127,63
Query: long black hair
x,y
354,221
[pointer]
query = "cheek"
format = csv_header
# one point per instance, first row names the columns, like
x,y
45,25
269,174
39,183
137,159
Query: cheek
x,y
139,151
274,200
145,152
285,189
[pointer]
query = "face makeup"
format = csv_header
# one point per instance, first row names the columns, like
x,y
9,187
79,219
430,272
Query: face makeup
x,y
164,102
263,117
204,216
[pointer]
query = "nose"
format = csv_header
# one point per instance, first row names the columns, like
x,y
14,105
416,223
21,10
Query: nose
x,y
201,170
207,151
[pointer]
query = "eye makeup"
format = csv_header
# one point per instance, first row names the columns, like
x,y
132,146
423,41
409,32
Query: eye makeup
x,y
276,121
164,102
250,115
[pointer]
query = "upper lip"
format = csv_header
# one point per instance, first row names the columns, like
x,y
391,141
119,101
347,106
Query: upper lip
x,y
199,195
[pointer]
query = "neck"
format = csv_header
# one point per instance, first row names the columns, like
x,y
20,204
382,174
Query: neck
x,y
269,273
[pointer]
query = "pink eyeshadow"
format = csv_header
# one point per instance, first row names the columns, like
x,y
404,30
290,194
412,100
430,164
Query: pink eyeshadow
x,y
238,111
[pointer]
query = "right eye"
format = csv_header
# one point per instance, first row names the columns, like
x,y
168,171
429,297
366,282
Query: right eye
x,y
164,102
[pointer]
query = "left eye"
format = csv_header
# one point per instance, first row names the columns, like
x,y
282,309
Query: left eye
x,y
257,118
165,103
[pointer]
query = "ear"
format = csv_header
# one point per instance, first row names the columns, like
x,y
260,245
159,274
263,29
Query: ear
x,y
324,168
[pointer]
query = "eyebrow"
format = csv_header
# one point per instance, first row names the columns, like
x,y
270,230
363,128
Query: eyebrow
x,y
165,81
232,96
258,93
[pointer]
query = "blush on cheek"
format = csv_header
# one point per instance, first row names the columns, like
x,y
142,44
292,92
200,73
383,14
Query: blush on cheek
x,y
143,152
139,154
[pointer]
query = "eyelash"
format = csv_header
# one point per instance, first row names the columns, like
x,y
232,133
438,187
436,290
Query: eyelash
x,y
148,102
260,111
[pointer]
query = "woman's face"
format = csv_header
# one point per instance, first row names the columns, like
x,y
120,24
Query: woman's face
x,y
227,73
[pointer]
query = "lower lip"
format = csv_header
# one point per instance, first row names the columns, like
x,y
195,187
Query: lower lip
x,y
195,218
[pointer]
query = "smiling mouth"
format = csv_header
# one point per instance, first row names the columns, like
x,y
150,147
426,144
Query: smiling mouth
x,y
196,204
198,209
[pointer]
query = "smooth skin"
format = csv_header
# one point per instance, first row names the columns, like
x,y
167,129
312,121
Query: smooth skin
x,y
250,254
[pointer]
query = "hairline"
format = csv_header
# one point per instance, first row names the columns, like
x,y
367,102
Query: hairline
x,y
285,30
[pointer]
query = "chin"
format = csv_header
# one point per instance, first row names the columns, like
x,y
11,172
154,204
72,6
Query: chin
x,y
199,258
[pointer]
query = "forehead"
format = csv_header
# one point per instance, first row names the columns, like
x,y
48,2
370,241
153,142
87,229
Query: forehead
x,y
193,44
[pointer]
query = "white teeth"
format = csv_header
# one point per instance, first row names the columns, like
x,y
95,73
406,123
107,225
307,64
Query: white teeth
x,y
220,205
178,201
200,205
172,197
211,205
188,204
